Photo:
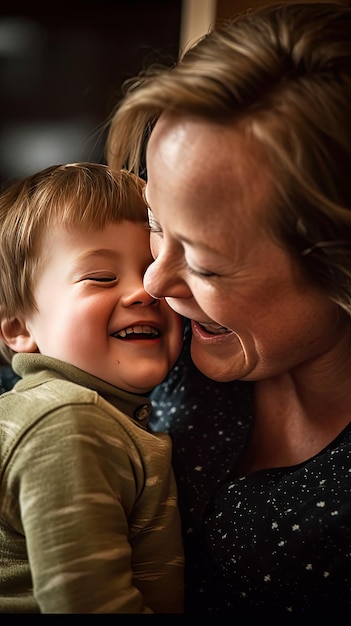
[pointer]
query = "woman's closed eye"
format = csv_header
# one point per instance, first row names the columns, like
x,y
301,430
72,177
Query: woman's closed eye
x,y
201,273
195,269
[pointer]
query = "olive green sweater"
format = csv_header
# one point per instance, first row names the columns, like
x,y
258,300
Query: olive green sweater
x,y
88,514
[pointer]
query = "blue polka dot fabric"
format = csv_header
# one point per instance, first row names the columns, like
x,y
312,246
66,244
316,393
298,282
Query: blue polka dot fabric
x,y
7,378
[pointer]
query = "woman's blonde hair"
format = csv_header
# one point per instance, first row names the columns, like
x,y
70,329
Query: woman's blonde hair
x,y
87,196
284,72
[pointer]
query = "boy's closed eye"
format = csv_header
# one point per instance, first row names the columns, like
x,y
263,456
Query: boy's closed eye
x,y
100,278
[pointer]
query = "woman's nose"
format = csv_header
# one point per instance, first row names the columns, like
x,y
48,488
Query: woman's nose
x,y
163,280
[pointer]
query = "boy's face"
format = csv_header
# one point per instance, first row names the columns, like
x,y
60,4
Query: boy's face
x,y
94,313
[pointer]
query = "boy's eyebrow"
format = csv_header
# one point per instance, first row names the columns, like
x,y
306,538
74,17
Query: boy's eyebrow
x,y
90,254
104,251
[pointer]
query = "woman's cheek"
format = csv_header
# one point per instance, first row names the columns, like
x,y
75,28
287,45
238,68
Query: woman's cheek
x,y
155,245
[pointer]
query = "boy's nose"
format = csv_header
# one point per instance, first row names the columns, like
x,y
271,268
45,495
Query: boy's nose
x,y
139,297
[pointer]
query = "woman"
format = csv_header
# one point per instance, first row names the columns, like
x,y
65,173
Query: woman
x,y
248,155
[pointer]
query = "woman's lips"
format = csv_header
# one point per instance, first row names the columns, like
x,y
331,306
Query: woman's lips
x,y
214,329
210,332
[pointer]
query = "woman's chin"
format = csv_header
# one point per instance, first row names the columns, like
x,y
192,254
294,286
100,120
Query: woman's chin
x,y
212,361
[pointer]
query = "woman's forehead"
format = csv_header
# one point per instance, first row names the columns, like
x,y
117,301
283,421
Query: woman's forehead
x,y
208,167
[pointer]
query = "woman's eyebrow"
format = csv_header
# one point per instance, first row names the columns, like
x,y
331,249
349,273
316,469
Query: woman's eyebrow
x,y
196,244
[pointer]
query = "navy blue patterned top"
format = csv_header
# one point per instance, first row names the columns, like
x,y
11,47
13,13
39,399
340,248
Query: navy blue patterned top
x,y
7,378
273,545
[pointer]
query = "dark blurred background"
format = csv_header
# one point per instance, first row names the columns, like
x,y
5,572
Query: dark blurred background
x,y
62,66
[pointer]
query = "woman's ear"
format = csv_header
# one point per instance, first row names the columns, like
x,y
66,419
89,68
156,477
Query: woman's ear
x,y
15,334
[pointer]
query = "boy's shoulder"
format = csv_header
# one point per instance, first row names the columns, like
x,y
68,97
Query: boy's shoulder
x,y
29,400
29,406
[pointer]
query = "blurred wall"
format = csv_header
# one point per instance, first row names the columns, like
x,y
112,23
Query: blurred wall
x,y
62,66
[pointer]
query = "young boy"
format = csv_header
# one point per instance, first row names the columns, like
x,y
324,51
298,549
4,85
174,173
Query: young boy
x,y
88,513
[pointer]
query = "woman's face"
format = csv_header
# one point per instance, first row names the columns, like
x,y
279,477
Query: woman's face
x,y
254,314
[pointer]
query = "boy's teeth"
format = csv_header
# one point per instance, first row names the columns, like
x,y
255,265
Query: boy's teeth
x,y
137,330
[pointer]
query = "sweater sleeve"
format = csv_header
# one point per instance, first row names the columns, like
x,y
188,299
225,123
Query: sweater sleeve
x,y
76,478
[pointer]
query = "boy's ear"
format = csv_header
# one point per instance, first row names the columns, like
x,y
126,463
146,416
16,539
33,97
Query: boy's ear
x,y
15,334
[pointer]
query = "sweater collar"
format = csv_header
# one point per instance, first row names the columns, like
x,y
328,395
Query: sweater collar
x,y
37,369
